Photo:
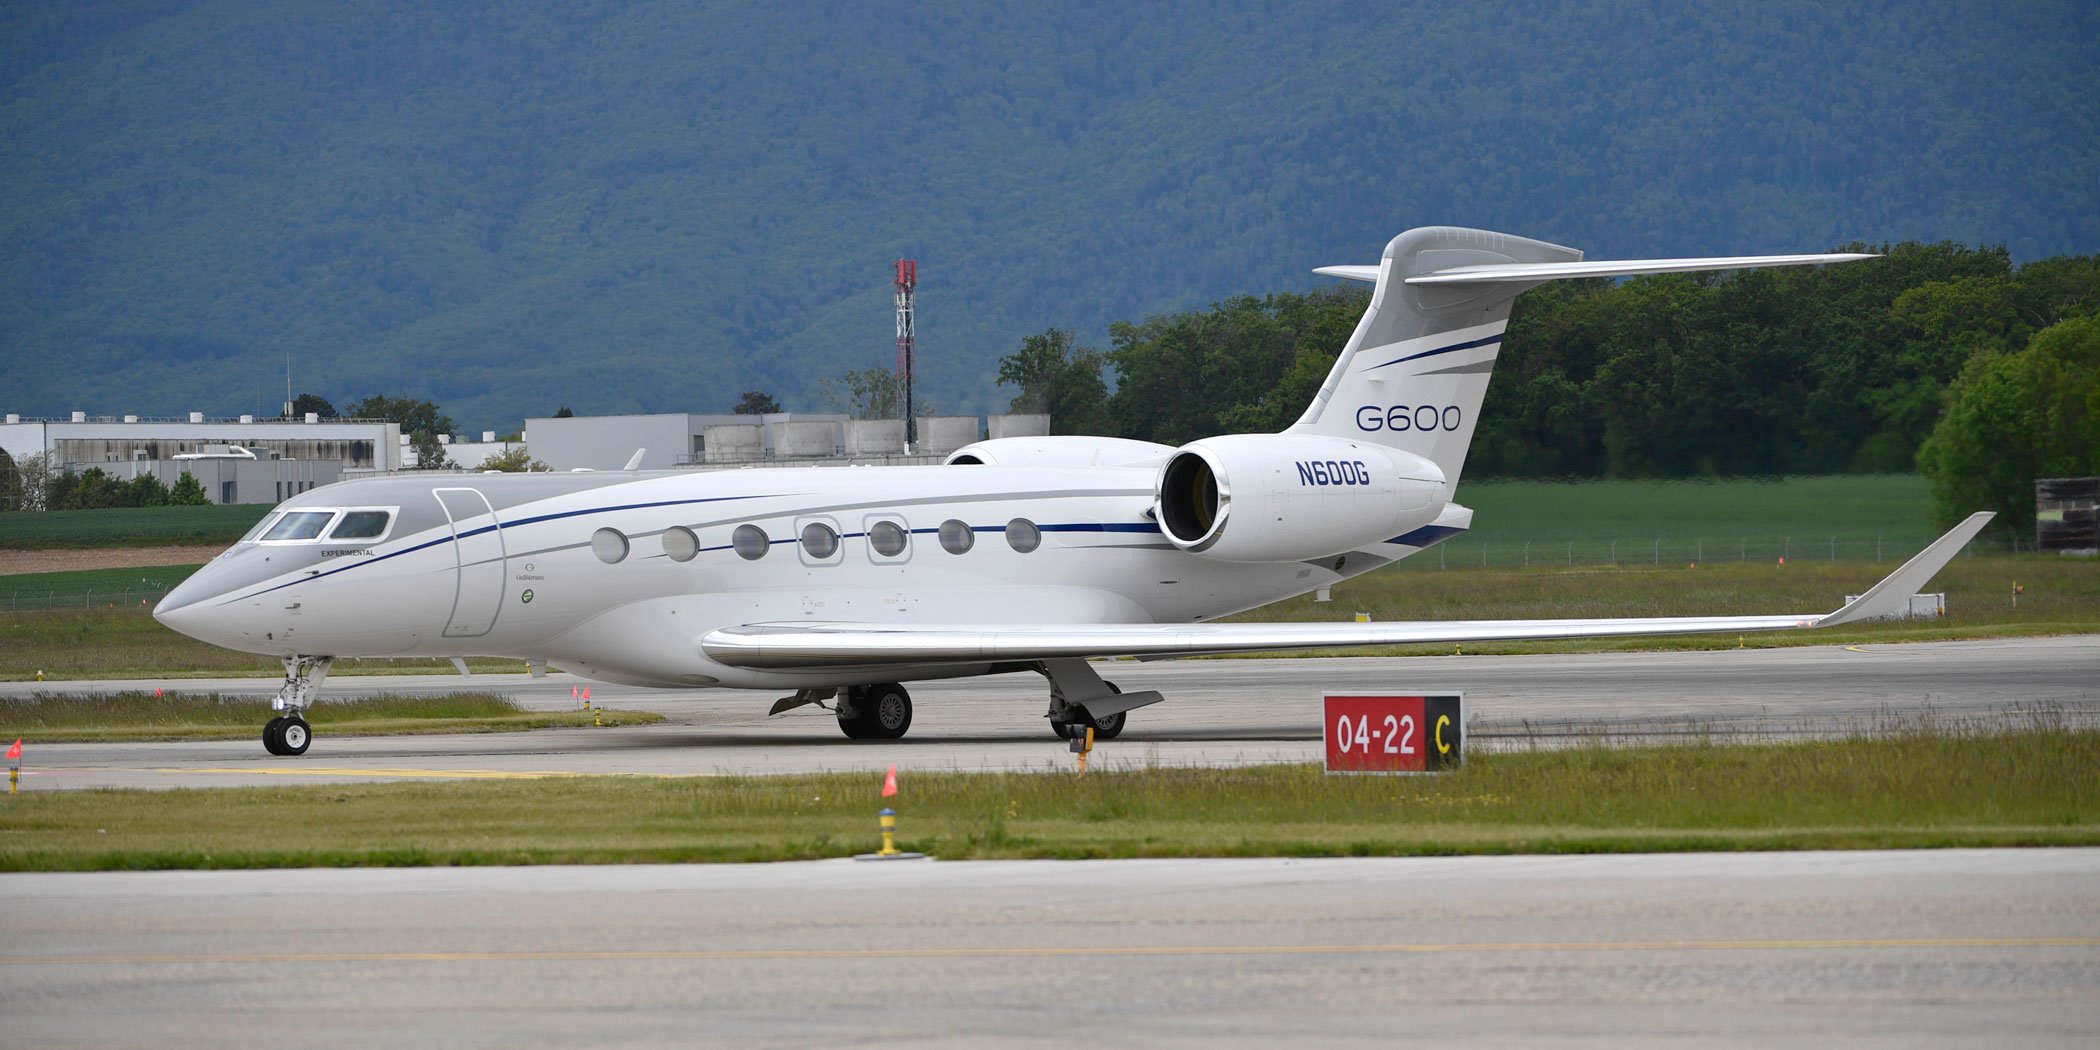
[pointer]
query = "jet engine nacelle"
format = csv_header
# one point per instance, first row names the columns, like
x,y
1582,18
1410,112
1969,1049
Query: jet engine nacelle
x,y
1061,450
1283,497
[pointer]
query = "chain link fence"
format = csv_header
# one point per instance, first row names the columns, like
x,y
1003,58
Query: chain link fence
x,y
34,598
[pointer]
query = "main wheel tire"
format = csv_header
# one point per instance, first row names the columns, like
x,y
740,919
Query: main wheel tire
x,y
295,735
855,724
885,711
273,736
1111,727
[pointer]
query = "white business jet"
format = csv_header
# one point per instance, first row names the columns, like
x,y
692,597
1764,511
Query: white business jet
x,y
1018,554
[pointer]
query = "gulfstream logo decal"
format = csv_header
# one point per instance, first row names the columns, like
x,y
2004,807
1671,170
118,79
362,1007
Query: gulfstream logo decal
x,y
1408,417
1333,472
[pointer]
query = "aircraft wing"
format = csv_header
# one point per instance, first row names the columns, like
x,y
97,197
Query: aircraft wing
x,y
782,646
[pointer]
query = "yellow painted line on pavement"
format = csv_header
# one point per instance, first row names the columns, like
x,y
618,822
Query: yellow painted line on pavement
x,y
1026,952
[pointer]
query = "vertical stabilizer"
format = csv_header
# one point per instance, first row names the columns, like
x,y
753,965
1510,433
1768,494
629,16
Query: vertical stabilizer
x,y
1415,371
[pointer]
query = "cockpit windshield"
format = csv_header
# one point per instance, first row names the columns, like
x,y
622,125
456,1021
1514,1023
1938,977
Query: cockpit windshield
x,y
351,525
298,525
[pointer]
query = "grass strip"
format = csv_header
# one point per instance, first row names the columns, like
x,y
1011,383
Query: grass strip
x,y
1926,787
75,717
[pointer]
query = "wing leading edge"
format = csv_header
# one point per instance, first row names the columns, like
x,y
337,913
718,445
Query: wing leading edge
x,y
784,646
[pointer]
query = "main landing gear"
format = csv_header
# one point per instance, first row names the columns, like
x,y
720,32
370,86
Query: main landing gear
x,y
288,733
1076,719
875,712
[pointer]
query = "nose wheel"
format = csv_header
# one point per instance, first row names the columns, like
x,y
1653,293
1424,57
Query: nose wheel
x,y
288,735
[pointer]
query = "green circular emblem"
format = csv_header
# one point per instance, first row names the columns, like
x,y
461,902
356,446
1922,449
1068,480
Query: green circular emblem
x,y
526,597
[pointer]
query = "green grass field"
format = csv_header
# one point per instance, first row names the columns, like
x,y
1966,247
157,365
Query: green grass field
x,y
140,715
128,526
1923,787
1855,518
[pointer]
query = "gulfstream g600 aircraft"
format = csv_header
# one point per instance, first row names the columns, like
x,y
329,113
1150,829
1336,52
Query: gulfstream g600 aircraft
x,y
1020,554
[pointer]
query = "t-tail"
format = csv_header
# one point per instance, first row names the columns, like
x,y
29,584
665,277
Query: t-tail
x,y
1416,370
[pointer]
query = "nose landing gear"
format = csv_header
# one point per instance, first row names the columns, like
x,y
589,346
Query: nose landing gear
x,y
288,733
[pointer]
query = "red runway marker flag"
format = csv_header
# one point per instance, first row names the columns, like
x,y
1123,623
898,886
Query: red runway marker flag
x,y
15,752
889,783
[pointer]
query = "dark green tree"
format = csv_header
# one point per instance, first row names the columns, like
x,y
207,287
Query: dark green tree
x,y
512,461
1057,378
420,420
145,490
314,403
564,412
870,393
2012,418
186,492
414,417
91,489
755,403
10,483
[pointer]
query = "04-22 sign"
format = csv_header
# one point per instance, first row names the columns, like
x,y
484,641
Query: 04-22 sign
x,y
1414,733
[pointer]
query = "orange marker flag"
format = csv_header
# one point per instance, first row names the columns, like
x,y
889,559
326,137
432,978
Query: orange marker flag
x,y
586,692
15,753
889,783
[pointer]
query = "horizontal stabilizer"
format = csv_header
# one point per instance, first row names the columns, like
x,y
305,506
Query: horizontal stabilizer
x,y
789,646
1493,273
1367,274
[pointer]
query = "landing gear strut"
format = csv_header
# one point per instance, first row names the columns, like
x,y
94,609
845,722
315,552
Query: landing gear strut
x,y
288,733
875,712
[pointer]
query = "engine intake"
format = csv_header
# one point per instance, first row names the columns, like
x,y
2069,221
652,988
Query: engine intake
x,y
1275,497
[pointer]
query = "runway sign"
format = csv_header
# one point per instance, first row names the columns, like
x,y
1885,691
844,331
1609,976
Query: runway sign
x,y
1423,733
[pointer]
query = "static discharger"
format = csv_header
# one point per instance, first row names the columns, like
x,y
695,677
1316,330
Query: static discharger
x,y
887,820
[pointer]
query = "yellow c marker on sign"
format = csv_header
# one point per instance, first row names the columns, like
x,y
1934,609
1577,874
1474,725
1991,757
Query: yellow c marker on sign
x,y
1442,748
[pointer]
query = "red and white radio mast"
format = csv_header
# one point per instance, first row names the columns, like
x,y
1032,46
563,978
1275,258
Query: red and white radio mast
x,y
907,343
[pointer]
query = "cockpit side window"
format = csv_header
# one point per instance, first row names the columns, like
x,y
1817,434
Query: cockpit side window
x,y
266,522
361,525
299,525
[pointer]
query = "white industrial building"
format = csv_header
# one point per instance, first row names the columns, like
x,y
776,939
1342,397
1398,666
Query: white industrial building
x,y
681,439
276,458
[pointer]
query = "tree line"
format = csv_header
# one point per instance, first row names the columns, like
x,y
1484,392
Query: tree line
x,y
1941,358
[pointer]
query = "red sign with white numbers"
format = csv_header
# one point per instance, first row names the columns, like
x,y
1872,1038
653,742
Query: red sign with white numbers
x,y
1393,734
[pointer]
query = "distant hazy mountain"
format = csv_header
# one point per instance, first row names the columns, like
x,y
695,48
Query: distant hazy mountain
x,y
621,207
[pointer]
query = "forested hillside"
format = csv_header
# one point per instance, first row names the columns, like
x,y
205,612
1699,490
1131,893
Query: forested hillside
x,y
656,206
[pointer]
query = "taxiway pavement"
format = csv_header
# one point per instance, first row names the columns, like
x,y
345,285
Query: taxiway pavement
x,y
1218,712
1952,947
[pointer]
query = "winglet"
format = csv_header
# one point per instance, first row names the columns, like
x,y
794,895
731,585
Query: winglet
x,y
634,462
1893,593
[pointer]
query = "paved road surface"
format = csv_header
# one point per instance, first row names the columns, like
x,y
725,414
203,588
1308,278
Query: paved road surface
x,y
1217,712
1929,948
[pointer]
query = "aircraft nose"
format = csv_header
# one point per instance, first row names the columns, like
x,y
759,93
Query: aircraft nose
x,y
185,609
